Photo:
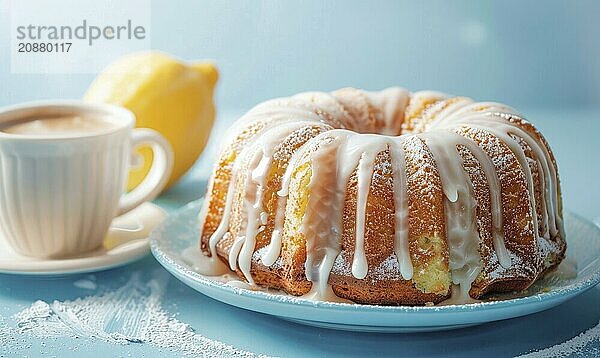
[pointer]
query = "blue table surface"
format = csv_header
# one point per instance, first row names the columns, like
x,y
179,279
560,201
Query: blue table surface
x,y
574,137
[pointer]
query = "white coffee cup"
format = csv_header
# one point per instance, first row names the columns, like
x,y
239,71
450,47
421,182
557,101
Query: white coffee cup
x,y
60,192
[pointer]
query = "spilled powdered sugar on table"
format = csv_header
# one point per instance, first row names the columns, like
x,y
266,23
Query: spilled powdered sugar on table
x,y
129,314
583,345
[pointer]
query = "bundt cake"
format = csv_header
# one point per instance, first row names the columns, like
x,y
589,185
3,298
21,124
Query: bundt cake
x,y
386,197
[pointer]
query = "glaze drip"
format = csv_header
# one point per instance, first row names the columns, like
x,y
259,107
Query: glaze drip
x,y
495,199
459,208
360,151
401,248
320,224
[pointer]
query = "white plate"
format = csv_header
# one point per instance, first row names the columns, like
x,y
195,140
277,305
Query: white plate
x,y
126,242
180,231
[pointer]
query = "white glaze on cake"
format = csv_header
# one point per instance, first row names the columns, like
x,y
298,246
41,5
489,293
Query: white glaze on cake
x,y
335,155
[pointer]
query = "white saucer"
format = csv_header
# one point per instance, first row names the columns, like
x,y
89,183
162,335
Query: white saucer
x,y
126,241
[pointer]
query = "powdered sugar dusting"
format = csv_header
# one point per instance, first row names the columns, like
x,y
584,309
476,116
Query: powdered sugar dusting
x,y
87,283
388,269
129,314
585,344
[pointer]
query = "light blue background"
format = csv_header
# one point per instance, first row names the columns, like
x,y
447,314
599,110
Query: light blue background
x,y
542,57
525,53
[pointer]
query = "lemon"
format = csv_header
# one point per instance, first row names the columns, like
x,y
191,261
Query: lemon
x,y
167,95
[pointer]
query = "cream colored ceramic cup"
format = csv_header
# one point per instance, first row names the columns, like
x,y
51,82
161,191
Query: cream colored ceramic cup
x,y
59,193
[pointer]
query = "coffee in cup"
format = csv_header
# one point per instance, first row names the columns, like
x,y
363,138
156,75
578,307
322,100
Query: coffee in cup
x,y
63,167
59,126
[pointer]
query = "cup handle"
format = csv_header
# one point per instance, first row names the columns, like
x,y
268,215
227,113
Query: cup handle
x,y
159,172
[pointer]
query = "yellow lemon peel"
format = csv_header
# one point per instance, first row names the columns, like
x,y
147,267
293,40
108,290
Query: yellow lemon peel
x,y
167,95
